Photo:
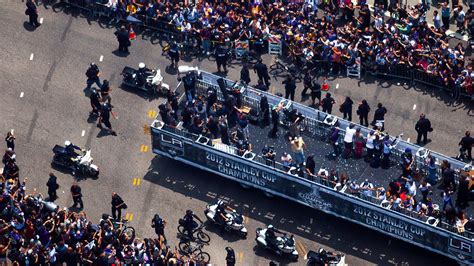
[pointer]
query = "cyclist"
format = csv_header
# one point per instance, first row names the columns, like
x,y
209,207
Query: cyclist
x,y
189,223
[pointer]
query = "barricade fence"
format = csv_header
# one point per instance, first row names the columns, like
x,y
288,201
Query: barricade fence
x,y
275,46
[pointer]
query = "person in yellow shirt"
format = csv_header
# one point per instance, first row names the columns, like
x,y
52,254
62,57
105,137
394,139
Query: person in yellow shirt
x,y
131,8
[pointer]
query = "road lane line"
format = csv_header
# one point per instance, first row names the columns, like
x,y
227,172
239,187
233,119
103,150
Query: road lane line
x,y
131,217
127,216
83,133
32,56
101,58
151,113
134,181
138,182
22,94
414,106
146,129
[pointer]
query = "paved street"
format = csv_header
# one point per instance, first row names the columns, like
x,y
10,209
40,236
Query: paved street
x,y
42,80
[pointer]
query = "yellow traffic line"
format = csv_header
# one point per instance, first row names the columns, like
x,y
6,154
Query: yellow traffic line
x,y
129,216
151,113
136,181
301,248
240,256
143,148
146,129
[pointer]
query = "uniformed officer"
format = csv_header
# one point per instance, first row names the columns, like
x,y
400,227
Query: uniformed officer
x,y
221,58
104,118
123,40
32,13
173,52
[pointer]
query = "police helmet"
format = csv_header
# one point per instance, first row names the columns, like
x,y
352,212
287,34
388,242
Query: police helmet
x,y
67,143
141,65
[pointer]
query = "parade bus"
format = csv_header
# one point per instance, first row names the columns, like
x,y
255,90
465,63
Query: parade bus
x,y
251,169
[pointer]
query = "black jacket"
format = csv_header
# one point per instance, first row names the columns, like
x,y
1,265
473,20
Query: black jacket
x,y
346,106
380,113
423,125
363,109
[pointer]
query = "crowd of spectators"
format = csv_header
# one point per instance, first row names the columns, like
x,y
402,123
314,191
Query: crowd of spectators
x,y
334,33
35,231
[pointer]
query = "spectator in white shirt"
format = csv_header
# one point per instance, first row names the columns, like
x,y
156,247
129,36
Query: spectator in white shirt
x,y
348,140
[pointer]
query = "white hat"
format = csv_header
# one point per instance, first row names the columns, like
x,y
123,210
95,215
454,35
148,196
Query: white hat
x,y
141,65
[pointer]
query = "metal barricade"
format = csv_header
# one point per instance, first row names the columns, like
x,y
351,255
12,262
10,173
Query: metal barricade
x,y
421,76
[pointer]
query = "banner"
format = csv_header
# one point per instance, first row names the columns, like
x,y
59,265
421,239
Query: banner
x,y
175,146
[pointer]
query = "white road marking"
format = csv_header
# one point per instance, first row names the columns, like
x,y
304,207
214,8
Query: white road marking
x,y
414,106
337,86
32,56
83,133
408,139
101,58
22,94
41,20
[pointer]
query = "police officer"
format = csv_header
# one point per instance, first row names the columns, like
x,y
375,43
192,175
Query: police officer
x,y
422,127
92,75
221,58
52,185
77,196
32,13
95,102
230,257
117,205
159,225
363,113
245,74
123,40
262,72
379,116
173,53
315,93
327,103
104,118
290,87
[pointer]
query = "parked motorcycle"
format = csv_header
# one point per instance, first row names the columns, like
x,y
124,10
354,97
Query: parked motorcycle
x,y
144,79
234,223
323,258
284,246
82,163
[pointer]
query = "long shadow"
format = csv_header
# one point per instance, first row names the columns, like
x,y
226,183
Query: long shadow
x,y
289,216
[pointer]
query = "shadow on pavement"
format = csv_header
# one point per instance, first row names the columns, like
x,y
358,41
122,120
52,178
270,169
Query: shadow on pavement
x,y
289,216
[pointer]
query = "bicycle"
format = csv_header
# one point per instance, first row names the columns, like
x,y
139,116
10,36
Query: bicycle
x,y
280,69
124,231
187,246
200,235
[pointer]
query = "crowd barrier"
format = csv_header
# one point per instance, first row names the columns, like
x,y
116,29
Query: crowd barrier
x,y
275,46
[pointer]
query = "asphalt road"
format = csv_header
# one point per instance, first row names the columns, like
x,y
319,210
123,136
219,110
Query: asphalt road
x,y
42,81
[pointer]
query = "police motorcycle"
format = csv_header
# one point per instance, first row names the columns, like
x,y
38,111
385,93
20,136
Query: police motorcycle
x,y
323,258
145,79
234,222
68,158
280,245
